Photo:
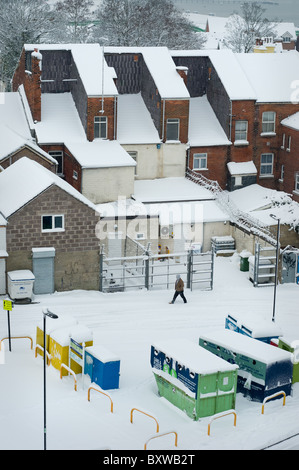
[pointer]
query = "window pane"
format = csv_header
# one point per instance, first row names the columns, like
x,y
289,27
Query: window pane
x,y
58,221
172,129
100,127
268,124
47,222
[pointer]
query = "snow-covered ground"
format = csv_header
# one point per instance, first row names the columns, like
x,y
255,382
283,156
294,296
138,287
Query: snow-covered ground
x,y
127,324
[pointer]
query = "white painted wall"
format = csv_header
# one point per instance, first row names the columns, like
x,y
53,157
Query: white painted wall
x,y
107,184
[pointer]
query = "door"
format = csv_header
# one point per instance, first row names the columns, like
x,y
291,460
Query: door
x,y
2,276
43,270
289,259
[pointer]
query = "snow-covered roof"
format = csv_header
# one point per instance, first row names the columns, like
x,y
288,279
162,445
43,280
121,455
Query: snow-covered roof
x,y
169,213
14,128
162,69
59,120
260,202
283,29
170,190
204,127
25,180
100,154
232,75
242,168
12,115
272,76
291,121
134,122
89,61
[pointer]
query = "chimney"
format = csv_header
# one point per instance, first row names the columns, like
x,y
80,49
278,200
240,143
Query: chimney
x,y
35,88
183,72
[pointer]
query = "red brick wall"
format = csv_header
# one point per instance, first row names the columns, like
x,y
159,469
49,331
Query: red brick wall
x,y
32,84
216,163
177,109
71,165
290,160
243,111
94,106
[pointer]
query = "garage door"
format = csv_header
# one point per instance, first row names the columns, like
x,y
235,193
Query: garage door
x,y
43,270
2,277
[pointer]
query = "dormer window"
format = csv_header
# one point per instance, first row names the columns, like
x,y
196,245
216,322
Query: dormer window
x,y
172,129
100,127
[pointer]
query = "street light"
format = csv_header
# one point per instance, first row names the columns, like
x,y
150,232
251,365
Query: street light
x,y
46,313
277,260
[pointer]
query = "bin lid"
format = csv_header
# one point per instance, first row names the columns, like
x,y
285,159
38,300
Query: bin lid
x,y
193,356
101,353
79,333
21,275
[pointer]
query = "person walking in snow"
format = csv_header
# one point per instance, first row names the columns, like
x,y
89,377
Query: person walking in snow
x,y
179,289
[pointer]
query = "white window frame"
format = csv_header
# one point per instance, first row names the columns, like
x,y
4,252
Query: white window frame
x,y
134,155
53,223
288,149
297,182
200,158
57,154
241,135
268,125
281,173
75,175
175,125
100,124
267,164
283,140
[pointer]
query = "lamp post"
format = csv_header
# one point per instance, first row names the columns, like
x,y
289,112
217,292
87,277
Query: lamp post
x,y
46,313
277,260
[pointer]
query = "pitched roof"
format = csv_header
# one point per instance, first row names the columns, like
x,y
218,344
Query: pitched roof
x,y
161,67
89,61
204,127
23,181
134,122
59,120
100,153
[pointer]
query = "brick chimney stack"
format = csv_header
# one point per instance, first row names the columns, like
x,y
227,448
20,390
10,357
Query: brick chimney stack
x,y
35,88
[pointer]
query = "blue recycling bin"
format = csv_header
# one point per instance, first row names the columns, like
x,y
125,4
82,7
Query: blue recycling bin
x,y
102,366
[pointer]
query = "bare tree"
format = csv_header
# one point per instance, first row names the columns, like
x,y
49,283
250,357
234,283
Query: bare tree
x,y
244,29
75,19
21,22
146,23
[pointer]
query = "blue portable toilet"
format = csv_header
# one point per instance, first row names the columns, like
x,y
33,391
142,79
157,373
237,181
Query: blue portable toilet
x,y
102,366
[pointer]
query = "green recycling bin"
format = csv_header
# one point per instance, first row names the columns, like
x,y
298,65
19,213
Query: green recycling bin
x,y
244,261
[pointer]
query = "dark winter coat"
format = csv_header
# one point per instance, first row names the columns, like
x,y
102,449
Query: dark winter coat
x,y
179,285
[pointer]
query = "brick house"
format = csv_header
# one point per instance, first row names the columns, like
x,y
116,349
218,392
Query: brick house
x,y
48,218
248,106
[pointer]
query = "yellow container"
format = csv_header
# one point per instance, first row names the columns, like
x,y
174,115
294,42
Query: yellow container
x,y
59,344
52,325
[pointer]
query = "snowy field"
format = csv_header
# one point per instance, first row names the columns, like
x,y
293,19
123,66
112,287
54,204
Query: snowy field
x,y
127,324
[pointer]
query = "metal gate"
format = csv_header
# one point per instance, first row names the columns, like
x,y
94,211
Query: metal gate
x,y
263,271
156,271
